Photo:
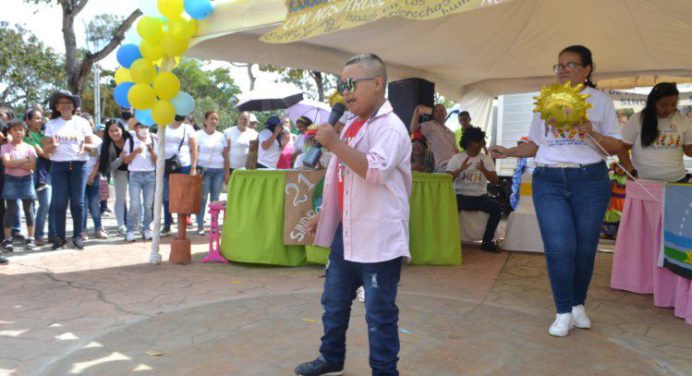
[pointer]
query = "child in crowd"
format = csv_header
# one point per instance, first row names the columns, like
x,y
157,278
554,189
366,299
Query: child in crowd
x,y
19,159
611,222
139,155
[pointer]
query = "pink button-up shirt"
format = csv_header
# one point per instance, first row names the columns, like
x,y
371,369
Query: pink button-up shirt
x,y
376,209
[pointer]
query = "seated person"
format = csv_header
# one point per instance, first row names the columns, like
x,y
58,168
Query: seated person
x,y
422,159
471,171
440,137
464,119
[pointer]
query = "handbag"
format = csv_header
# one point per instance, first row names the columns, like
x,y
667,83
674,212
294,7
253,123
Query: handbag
x,y
252,155
172,164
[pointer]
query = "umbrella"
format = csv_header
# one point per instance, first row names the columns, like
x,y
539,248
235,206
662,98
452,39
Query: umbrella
x,y
272,98
318,112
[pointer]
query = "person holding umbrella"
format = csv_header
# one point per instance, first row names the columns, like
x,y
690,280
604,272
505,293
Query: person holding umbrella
x,y
270,143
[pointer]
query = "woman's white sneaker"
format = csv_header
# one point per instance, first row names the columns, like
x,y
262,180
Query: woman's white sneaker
x,y
562,325
581,320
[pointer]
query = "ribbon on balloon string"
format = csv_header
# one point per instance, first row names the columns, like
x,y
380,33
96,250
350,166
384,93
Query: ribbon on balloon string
x,y
563,107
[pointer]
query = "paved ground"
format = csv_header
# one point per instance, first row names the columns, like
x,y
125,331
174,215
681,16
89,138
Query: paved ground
x,y
106,311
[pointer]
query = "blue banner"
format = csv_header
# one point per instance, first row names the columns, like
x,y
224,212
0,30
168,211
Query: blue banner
x,y
676,247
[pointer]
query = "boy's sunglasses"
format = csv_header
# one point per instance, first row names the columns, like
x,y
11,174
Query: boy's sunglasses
x,y
349,84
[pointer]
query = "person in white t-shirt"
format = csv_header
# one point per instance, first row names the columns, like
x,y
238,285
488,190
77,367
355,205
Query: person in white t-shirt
x,y
139,154
181,147
68,137
212,158
660,136
269,149
238,144
299,144
571,189
471,171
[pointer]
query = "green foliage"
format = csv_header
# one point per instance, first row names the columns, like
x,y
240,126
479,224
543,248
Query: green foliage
x,y
212,89
307,80
100,30
29,70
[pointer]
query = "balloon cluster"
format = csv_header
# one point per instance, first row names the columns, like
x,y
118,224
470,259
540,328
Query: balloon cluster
x,y
562,106
165,31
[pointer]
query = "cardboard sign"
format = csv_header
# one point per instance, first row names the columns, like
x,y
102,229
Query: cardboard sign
x,y
303,198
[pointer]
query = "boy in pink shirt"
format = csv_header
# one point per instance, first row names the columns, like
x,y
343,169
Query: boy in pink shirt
x,y
364,218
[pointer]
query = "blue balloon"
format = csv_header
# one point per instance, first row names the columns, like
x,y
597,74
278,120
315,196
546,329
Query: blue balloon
x,y
127,54
144,117
120,94
183,103
198,9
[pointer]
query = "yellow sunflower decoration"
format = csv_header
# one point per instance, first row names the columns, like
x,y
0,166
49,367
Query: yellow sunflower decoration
x,y
562,106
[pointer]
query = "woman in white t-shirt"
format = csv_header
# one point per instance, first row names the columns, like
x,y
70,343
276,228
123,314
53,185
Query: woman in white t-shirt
x,y
181,148
238,144
270,148
571,189
660,136
139,154
212,158
68,138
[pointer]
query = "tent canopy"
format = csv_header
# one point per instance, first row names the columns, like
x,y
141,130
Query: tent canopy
x,y
475,55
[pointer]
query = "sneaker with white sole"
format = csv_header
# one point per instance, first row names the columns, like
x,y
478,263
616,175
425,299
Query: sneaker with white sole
x,y
562,325
581,320
147,235
122,230
130,237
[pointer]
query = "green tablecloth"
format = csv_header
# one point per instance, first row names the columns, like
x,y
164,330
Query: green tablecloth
x,y
253,229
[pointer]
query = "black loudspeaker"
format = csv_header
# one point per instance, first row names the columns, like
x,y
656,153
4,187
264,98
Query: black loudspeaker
x,y
406,94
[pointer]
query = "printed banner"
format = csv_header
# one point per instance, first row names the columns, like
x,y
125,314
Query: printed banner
x,y
676,246
303,199
310,18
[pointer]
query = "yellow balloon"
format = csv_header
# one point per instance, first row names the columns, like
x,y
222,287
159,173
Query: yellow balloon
x,y
173,46
172,9
122,75
163,112
166,85
141,96
143,71
151,29
183,28
151,51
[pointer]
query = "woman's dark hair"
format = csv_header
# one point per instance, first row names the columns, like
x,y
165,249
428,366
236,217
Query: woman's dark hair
x,y
30,114
104,158
208,113
586,60
649,118
15,123
473,134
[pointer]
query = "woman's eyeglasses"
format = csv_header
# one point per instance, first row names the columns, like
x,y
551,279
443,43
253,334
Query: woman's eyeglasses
x,y
557,68
349,84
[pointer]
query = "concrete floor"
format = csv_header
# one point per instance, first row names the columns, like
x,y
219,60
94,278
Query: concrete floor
x,y
105,311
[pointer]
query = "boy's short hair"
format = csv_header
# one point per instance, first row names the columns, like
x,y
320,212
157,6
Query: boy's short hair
x,y
374,65
473,134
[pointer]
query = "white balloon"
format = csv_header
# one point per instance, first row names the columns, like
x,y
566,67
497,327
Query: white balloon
x,y
149,8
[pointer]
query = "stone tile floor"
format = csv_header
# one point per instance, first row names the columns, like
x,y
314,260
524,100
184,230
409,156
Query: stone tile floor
x,y
105,311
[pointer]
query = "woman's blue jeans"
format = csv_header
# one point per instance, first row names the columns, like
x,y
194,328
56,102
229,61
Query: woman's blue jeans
x,y
69,183
570,204
43,195
212,181
92,204
168,218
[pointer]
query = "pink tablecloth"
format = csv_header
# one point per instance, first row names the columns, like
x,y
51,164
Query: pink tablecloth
x,y
635,265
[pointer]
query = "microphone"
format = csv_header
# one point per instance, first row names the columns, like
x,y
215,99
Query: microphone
x,y
312,156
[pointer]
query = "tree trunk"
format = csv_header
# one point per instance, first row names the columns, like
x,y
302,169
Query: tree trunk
x,y
319,83
71,63
251,76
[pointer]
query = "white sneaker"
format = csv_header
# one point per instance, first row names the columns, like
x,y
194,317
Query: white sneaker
x,y
361,294
562,325
130,237
122,230
581,320
147,235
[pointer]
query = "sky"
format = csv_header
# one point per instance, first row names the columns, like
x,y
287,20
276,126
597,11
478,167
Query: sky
x,y
45,21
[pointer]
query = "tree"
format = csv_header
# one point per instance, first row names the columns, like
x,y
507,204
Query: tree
x,y
78,67
314,83
28,69
212,89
